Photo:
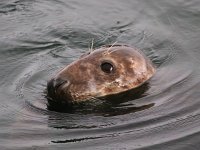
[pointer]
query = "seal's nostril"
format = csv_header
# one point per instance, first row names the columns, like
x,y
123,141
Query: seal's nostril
x,y
58,82
54,84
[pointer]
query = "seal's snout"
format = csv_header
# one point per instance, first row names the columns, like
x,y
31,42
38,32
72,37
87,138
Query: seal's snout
x,y
53,85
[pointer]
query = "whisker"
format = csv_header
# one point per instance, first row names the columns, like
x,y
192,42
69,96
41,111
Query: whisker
x,y
92,45
112,51
107,51
112,45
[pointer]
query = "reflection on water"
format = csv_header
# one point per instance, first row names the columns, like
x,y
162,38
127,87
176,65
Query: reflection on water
x,y
40,37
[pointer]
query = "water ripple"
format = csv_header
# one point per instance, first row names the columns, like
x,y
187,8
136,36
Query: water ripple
x,y
38,38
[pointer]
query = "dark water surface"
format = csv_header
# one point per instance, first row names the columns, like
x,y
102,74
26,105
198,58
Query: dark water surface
x,y
38,37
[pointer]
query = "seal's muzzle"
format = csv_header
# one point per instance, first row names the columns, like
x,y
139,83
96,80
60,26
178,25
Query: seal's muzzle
x,y
53,87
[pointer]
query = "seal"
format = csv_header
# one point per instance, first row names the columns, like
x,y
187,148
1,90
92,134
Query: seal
x,y
106,71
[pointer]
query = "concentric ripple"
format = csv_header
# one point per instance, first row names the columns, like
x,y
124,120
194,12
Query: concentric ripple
x,y
38,38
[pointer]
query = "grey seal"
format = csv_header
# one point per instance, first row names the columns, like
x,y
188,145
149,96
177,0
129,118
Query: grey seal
x,y
106,71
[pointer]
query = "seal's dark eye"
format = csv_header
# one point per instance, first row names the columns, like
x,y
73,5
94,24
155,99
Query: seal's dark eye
x,y
107,67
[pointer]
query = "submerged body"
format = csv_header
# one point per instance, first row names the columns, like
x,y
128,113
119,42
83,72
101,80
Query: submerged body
x,y
105,71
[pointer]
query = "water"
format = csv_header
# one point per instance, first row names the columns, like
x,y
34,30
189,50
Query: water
x,y
38,37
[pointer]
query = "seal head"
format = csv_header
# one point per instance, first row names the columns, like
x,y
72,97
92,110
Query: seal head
x,y
105,71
